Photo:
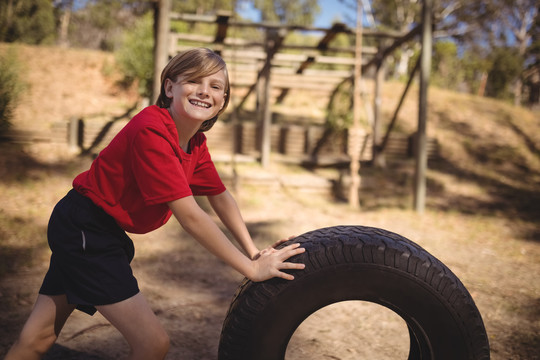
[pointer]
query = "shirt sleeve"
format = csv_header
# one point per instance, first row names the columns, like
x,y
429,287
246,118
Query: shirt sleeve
x,y
206,180
157,168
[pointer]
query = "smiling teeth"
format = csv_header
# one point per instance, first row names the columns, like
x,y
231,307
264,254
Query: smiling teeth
x,y
200,103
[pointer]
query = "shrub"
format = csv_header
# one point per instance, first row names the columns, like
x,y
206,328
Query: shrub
x,y
11,87
136,55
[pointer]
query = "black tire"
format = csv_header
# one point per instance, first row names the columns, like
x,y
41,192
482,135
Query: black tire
x,y
357,263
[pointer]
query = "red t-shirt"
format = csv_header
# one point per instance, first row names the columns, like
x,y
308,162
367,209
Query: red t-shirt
x,y
143,168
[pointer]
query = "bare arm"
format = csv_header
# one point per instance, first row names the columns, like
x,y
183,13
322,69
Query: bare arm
x,y
199,225
226,208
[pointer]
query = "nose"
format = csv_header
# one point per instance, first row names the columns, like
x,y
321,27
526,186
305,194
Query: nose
x,y
202,90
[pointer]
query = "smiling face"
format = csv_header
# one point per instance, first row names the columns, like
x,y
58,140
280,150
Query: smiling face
x,y
196,99
195,64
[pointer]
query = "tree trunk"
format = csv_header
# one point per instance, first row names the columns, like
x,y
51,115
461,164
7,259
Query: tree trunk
x,y
64,24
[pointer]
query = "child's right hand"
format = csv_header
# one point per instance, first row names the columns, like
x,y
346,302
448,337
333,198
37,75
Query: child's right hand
x,y
271,261
275,245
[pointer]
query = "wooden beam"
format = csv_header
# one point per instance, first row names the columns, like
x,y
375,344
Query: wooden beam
x,y
381,148
237,43
222,21
330,35
304,65
194,18
268,63
389,50
323,45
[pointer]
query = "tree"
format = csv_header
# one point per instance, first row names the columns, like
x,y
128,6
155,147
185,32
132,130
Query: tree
x,y
28,21
488,25
475,67
100,23
399,16
532,62
64,9
135,56
11,86
446,69
518,19
506,65
299,12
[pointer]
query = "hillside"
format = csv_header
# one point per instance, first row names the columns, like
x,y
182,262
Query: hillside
x,y
63,82
477,135
483,206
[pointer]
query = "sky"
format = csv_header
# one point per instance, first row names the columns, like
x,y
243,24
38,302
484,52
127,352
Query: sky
x,y
331,10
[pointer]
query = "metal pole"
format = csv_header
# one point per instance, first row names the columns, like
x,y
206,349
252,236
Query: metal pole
x,y
421,140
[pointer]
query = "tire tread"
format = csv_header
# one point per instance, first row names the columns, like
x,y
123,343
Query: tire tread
x,y
335,246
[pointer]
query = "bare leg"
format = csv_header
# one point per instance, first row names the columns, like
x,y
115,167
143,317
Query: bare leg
x,y
42,327
139,325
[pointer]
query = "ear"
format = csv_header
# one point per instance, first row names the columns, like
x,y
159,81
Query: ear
x,y
168,87
223,102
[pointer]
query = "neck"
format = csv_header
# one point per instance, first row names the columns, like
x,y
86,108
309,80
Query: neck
x,y
186,130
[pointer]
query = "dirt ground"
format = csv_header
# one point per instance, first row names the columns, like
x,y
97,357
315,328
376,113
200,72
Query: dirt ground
x,y
190,290
482,224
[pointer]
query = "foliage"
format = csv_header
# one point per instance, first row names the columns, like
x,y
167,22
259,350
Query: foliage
x,y
100,24
202,7
135,56
396,14
533,51
475,27
340,107
474,68
11,86
299,12
27,21
446,70
506,66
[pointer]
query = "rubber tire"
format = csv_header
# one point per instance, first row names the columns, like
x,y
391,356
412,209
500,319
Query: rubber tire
x,y
357,263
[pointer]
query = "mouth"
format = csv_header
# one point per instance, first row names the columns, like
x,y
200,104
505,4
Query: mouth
x,y
199,103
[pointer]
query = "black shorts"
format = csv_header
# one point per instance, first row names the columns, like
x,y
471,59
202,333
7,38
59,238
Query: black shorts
x,y
91,255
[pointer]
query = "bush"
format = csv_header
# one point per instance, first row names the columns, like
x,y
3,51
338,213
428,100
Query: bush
x,y
136,55
506,68
11,87
30,21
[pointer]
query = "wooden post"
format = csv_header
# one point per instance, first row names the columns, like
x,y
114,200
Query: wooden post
x,y
421,141
355,132
161,53
265,112
378,156
73,134
274,39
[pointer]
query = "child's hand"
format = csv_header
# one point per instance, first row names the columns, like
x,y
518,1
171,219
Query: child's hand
x,y
270,262
279,242
275,245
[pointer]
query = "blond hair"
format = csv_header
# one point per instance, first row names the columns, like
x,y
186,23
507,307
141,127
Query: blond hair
x,y
194,64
